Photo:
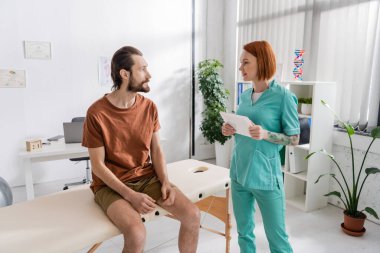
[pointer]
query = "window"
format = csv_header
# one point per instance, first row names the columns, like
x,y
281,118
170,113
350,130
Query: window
x,y
341,40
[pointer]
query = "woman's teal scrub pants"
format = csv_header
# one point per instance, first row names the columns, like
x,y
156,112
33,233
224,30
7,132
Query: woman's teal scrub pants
x,y
272,207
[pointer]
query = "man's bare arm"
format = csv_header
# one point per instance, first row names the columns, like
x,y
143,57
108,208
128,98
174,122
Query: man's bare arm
x,y
97,156
159,164
141,202
158,158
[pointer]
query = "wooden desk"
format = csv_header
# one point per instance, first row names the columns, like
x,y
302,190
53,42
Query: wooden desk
x,y
55,151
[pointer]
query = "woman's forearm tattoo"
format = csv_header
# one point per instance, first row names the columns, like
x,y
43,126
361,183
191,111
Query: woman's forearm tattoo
x,y
282,139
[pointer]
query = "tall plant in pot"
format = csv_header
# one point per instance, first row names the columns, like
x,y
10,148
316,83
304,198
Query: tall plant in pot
x,y
215,100
350,194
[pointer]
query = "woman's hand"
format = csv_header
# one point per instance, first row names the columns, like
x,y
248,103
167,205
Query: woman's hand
x,y
257,132
228,130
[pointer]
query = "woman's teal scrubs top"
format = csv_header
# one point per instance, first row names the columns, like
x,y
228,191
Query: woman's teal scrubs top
x,y
256,163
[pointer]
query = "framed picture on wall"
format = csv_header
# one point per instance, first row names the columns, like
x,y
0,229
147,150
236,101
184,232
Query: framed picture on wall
x,y
37,50
11,78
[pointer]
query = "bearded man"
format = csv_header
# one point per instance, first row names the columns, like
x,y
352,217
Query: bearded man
x,y
128,165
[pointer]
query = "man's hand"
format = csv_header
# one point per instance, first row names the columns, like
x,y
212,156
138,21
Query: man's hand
x,y
168,194
227,129
257,132
142,203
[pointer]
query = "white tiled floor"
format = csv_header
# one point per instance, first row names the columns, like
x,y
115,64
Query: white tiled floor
x,y
314,232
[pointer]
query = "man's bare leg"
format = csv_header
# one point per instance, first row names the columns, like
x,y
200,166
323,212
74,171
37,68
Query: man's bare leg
x,y
189,216
128,221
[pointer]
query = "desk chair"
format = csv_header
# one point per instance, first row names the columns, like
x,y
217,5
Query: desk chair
x,y
87,179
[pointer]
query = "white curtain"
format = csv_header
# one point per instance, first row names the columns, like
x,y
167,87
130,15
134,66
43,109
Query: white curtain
x,y
341,41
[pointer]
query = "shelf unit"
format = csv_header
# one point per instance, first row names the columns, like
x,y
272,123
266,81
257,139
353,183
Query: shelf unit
x,y
240,87
300,189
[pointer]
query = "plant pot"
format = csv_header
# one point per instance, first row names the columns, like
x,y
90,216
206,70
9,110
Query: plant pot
x,y
306,109
223,154
354,226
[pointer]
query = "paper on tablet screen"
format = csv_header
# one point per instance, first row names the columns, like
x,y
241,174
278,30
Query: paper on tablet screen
x,y
240,123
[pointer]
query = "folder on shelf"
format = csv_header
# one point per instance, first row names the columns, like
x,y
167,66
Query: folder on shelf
x,y
291,159
297,162
241,87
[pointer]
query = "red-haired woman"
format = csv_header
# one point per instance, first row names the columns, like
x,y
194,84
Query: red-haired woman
x,y
255,166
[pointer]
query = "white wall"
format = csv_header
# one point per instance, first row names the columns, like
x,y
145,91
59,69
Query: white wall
x,y
64,87
231,61
209,32
215,38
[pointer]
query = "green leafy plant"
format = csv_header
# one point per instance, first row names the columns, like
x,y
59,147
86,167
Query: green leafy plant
x,y
307,100
215,97
351,194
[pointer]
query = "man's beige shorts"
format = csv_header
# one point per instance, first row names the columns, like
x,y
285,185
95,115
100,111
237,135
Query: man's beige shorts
x,y
151,186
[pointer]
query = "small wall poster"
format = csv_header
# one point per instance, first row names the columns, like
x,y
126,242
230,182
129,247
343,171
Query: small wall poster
x,y
105,71
37,50
10,78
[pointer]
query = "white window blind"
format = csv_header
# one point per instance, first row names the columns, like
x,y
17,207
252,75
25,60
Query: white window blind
x,y
341,40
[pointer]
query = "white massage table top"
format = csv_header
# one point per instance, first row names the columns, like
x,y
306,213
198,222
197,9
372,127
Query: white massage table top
x,y
70,220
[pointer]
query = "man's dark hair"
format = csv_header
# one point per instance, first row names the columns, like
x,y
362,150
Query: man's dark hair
x,y
122,59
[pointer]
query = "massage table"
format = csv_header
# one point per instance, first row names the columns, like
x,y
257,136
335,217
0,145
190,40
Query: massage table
x,y
69,221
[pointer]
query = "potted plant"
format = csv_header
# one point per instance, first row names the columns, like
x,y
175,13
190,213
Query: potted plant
x,y
215,98
305,105
353,217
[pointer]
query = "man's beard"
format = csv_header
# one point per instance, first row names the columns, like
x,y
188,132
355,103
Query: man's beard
x,y
138,87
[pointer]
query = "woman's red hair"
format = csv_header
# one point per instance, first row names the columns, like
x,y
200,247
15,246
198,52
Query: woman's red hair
x,y
266,59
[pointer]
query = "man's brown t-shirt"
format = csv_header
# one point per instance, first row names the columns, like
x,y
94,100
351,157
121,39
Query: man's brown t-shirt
x,y
125,134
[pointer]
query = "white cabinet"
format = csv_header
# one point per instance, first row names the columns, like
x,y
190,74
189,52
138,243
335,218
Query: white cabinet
x,y
300,189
